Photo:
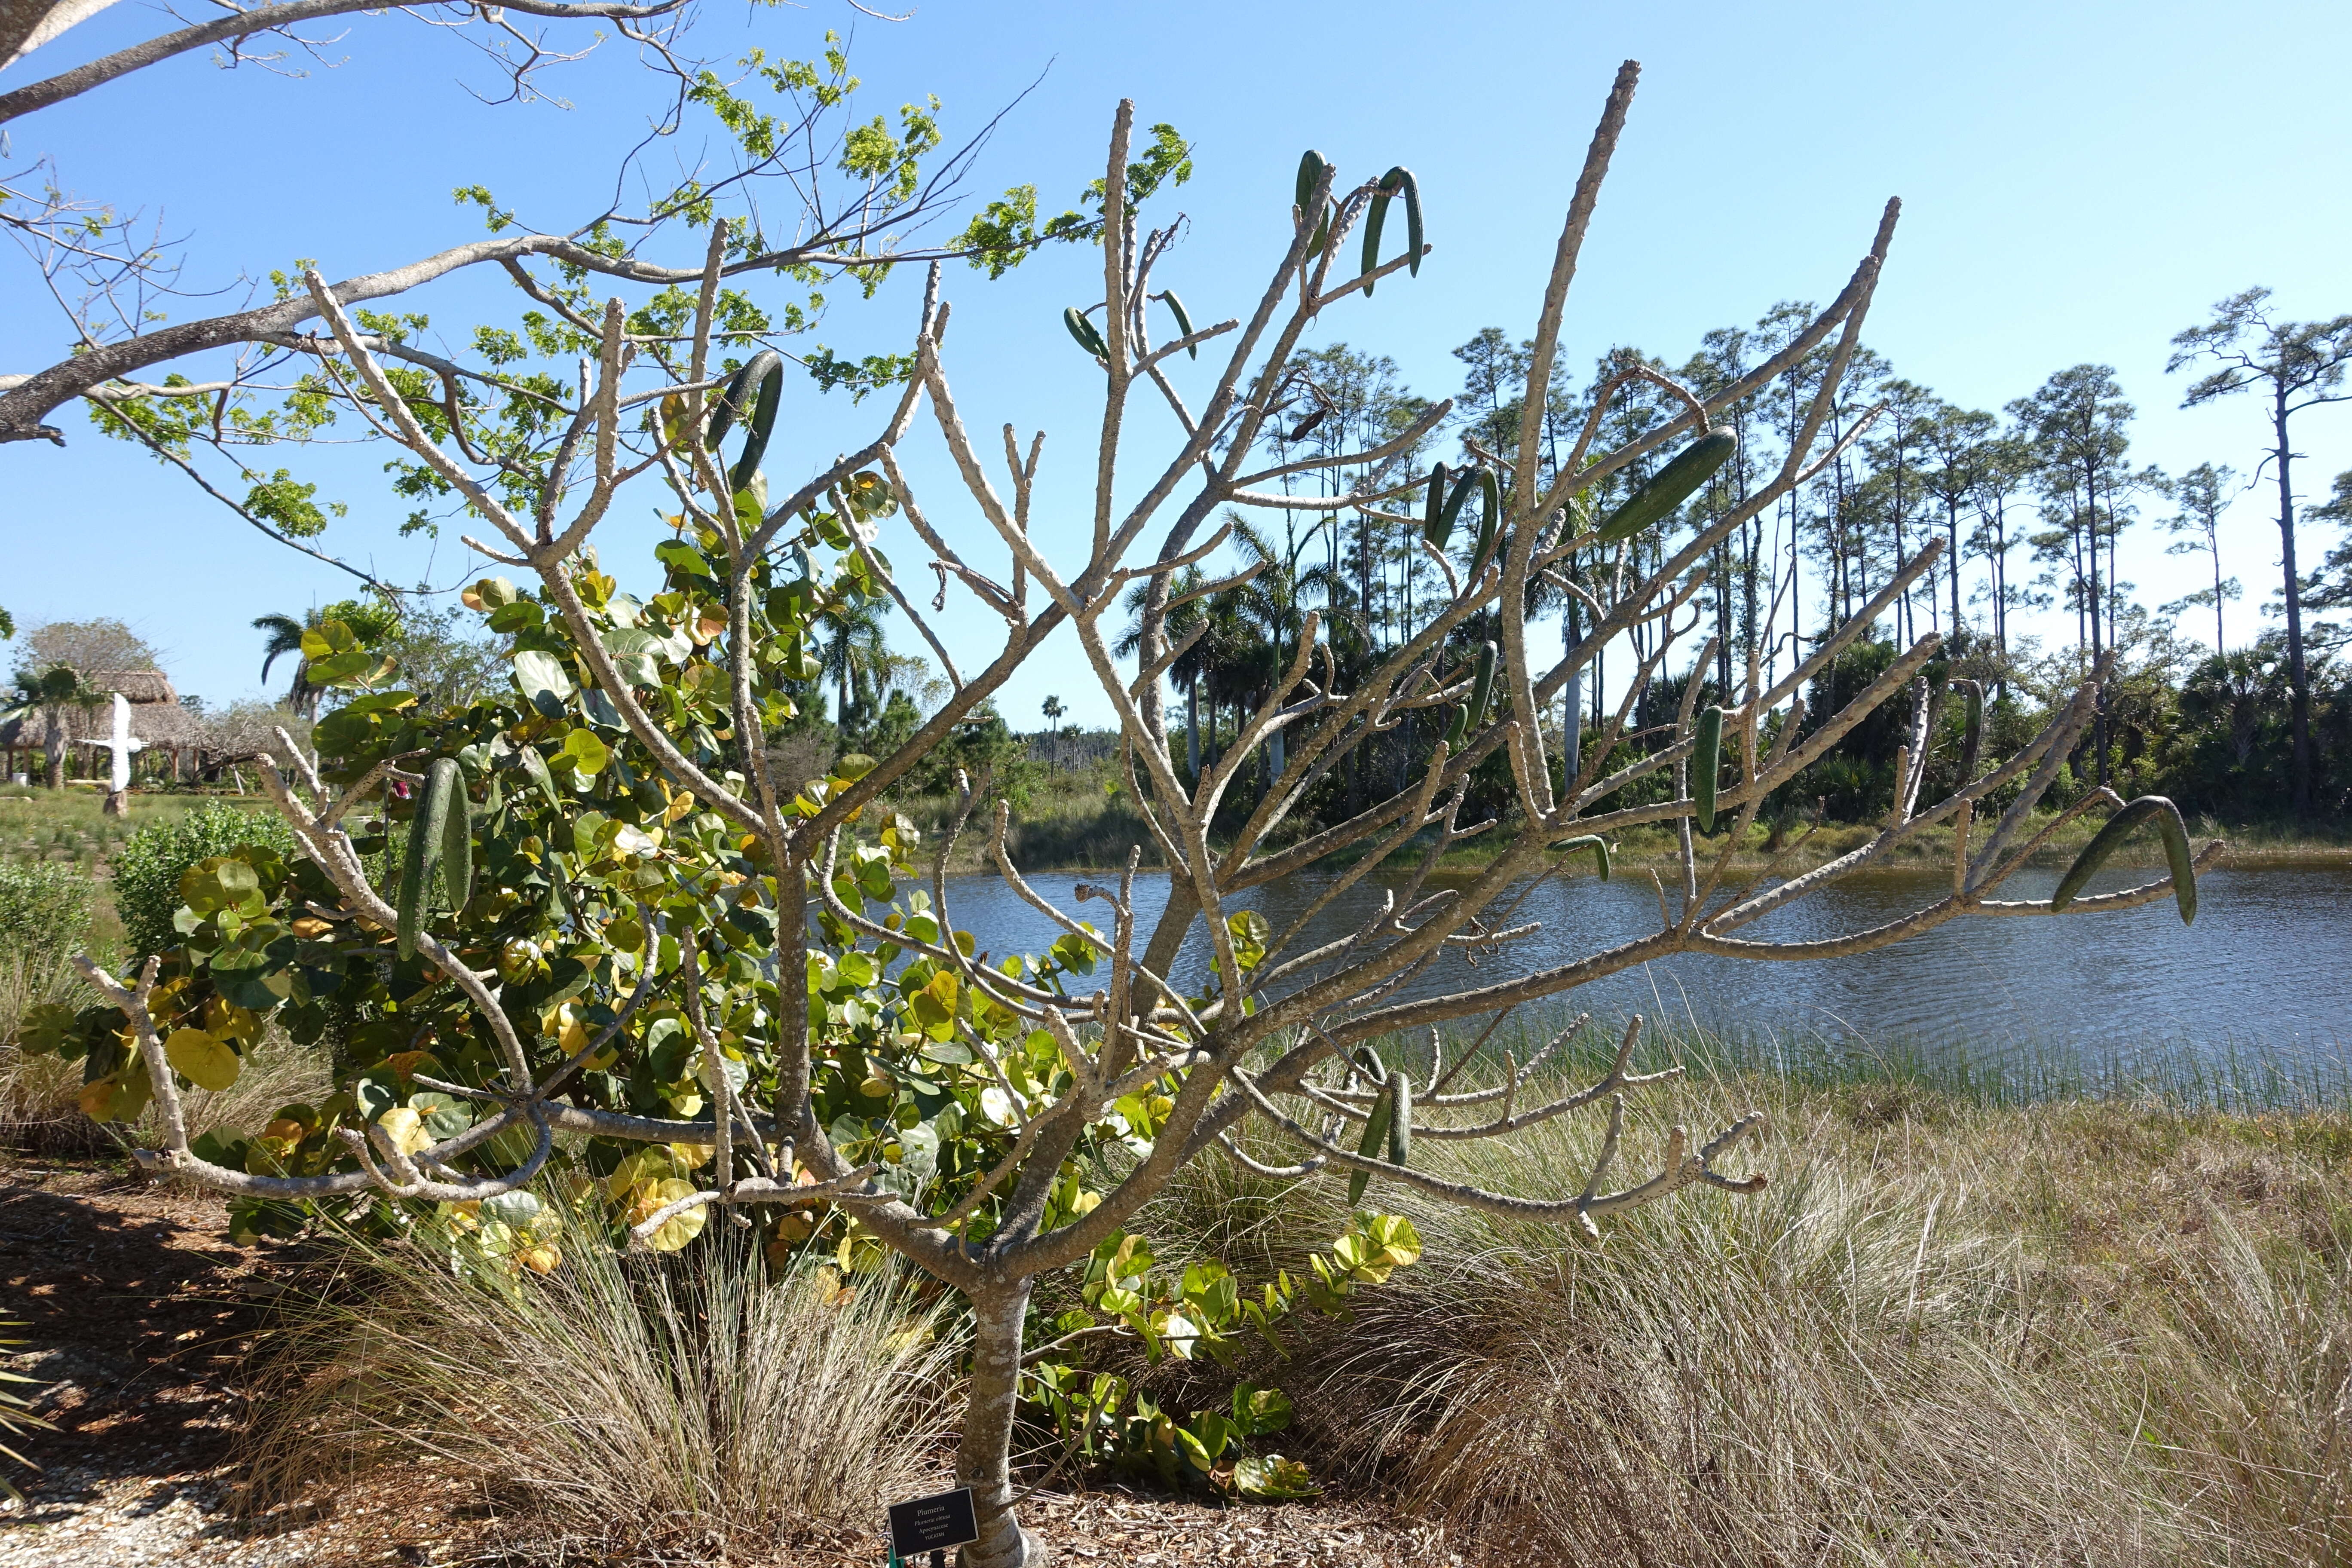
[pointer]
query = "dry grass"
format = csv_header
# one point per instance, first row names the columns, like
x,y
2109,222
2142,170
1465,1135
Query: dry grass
x,y
622,1405
2098,1334
276,1072
38,1095
40,1113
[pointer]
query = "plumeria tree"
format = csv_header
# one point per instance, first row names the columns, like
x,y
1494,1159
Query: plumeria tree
x,y
581,944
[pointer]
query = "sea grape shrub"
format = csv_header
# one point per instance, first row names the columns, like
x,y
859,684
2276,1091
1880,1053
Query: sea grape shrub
x,y
585,875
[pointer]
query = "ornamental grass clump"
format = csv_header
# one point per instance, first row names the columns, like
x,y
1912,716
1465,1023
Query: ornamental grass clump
x,y
619,953
613,1403
45,920
1951,1331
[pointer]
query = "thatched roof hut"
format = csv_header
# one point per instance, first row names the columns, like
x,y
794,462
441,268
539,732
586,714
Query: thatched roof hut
x,y
156,717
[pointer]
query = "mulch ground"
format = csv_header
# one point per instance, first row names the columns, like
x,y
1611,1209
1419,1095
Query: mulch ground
x,y
139,1319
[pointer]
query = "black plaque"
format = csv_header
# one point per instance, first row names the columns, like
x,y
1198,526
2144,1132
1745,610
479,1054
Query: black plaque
x,y
933,1524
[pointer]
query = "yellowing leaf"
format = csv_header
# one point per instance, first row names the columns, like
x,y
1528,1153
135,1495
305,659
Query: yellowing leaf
x,y
650,1163
95,1094
409,1063
225,1018
565,1024
407,1129
647,1199
205,1061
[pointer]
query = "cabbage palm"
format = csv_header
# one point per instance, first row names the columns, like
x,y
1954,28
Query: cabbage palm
x,y
1183,615
1272,605
48,692
851,650
370,624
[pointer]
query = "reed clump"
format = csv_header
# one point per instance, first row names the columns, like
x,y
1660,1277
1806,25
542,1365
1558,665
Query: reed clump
x,y
1952,1330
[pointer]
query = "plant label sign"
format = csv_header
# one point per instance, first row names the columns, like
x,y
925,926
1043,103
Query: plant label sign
x,y
933,1523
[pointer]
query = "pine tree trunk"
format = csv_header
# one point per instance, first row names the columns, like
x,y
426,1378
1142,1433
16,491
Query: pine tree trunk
x,y
2297,676
983,1460
1952,561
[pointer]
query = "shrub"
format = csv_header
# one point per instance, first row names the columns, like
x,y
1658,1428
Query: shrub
x,y
622,1400
147,871
43,911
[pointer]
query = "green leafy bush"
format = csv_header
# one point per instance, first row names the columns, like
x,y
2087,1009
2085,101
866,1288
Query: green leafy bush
x,y
43,912
147,873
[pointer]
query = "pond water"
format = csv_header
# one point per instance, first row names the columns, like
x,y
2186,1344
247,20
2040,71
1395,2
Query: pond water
x,y
2265,973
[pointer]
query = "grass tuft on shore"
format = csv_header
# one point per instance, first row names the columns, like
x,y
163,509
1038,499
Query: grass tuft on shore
x,y
1954,1328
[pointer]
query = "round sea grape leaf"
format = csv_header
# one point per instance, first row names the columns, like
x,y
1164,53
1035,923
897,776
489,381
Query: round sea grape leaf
x,y
407,1129
203,1059
651,1164
47,1028
589,755
517,1209
222,882
650,1198
445,1115
543,679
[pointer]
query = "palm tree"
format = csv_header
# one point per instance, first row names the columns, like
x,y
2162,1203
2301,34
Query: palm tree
x,y
853,651
1189,666
285,636
1272,605
369,622
50,692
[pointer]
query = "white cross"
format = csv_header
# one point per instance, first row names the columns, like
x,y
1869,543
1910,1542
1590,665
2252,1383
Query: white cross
x,y
121,743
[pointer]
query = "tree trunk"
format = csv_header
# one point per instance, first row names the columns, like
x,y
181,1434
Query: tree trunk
x,y
984,1459
53,747
1192,726
2098,634
1952,561
2213,548
2297,675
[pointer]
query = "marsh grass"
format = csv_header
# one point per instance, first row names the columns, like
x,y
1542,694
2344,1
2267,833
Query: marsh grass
x,y
620,1405
2251,844
1069,823
1958,1326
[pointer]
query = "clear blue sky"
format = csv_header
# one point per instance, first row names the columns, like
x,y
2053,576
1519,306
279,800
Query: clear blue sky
x,y
2079,181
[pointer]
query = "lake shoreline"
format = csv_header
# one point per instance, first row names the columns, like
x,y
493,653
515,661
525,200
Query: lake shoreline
x,y
2249,845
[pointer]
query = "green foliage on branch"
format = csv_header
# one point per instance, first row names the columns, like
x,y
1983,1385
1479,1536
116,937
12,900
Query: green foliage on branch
x,y
544,843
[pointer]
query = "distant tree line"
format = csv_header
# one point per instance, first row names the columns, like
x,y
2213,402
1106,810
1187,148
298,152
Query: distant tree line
x,y
2024,510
